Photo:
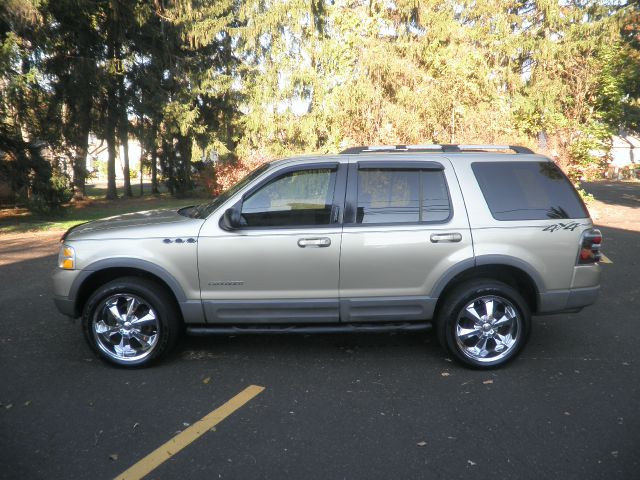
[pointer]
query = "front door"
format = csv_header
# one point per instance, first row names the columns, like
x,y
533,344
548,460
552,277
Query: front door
x,y
282,265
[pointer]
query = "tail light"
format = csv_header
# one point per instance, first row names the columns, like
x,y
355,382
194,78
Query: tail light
x,y
590,247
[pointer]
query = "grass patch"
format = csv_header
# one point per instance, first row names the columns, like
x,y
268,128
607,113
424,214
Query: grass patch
x,y
15,220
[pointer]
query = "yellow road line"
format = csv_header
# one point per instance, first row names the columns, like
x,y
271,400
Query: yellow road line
x,y
186,437
604,259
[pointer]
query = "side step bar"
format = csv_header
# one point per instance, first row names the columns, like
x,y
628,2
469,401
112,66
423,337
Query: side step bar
x,y
308,329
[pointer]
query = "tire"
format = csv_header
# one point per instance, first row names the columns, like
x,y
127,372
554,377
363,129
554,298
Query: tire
x,y
131,322
483,323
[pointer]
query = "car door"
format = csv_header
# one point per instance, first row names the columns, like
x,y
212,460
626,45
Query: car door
x,y
405,229
282,264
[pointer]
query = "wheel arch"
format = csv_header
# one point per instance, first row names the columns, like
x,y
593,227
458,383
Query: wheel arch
x,y
105,271
525,280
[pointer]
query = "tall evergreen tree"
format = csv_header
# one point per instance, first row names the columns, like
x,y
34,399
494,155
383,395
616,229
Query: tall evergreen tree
x,y
72,61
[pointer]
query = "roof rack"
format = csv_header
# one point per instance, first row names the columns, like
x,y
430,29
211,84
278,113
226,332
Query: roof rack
x,y
449,148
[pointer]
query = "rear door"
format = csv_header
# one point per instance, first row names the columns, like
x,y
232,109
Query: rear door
x,y
405,229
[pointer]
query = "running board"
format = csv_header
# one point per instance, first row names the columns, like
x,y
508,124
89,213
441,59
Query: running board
x,y
308,329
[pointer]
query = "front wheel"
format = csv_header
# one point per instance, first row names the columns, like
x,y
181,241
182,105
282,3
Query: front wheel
x,y
130,322
484,323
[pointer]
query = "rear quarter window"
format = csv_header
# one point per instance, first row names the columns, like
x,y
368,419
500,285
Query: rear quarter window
x,y
528,191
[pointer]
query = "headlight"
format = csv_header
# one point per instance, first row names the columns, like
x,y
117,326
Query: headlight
x,y
67,258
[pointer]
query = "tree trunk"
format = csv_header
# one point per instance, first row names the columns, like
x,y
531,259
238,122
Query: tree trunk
x,y
80,166
183,170
112,112
124,141
123,130
154,171
112,192
153,150
168,166
82,147
83,91
142,155
110,137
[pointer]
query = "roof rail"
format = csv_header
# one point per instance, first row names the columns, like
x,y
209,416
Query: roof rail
x,y
433,148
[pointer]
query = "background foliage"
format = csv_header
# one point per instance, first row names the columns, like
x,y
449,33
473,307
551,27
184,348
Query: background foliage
x,y
242,81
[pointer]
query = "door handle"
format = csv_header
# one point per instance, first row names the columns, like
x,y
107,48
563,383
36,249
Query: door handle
x,y
317,242
452,237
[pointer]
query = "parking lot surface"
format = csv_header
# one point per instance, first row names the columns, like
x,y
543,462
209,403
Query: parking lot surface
x,y
359,406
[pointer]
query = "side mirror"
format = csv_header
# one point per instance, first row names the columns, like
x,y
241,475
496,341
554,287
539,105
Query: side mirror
x,y
231,218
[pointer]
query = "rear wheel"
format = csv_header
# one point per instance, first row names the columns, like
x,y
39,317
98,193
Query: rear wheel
x,y
131,322
484,323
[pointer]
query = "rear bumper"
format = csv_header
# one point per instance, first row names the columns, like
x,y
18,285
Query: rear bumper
x,y
582,297
572,300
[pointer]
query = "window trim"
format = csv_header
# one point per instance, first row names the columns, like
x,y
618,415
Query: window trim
x,y
351,204
337,205
400,165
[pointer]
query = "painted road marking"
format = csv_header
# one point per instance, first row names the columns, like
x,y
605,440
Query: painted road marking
x,y
604,259
186,437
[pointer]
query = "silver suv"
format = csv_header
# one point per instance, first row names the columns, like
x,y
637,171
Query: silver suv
x,y
472,239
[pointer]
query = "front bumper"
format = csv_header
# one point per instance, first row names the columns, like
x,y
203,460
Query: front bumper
x,y
66,306
63,296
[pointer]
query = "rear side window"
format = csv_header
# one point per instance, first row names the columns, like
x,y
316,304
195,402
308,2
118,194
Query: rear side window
x,y
402,196
527,191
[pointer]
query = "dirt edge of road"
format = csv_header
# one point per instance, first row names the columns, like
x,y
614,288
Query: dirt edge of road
x,y
18,247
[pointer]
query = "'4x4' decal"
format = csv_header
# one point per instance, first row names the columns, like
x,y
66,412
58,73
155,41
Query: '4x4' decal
x,y
561,226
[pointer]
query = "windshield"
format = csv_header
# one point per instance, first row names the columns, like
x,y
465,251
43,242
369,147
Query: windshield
x,y
205,209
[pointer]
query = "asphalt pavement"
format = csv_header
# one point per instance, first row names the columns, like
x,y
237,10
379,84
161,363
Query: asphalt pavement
x,y
356,406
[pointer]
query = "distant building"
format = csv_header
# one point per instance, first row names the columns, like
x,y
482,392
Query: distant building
x,y
98,157
625,153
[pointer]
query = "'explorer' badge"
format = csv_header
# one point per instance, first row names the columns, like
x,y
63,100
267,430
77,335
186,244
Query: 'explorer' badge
x,y
227,283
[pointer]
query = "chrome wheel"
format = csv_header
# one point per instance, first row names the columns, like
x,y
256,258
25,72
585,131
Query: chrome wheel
x,y
125,327
487,329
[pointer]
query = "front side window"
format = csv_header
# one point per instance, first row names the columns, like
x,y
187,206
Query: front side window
x,y
299,198
402,196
